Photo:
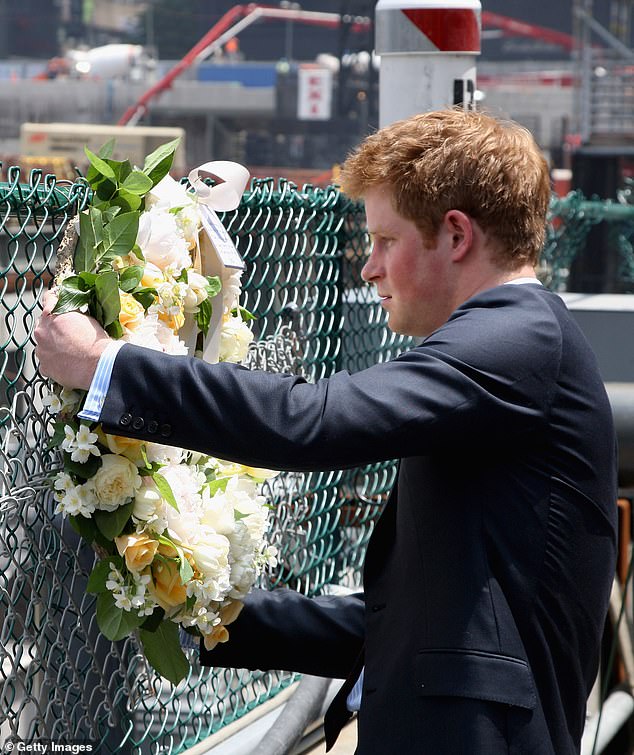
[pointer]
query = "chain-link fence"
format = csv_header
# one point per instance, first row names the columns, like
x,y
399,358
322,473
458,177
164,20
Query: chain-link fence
x,y
304,249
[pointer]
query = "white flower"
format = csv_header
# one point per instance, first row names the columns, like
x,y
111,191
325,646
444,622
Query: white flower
x,y
169,342
168,193
231,288
196,292
146,503
161,240
212,557
85,445
188,221
77,500
52,402
115,482
161,454
63,482
68,444
218,514
235,338
80,445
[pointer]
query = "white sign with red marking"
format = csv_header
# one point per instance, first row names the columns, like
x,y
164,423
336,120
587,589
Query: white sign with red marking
x,y
314,93
428,50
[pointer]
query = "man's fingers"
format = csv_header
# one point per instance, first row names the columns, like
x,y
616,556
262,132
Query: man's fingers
x,y
48,302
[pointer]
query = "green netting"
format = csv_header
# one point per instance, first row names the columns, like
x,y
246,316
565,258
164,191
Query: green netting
x,y
304,250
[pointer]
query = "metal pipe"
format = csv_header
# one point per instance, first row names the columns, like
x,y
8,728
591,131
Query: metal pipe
x,y
621,397
616,710
301,710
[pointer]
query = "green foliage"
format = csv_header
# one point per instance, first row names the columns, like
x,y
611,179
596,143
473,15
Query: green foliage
x,y
203,315
116,623
108,230
112,523
163,650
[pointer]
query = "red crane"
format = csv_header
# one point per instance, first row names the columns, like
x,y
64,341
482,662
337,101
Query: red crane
x,y
240,16
230,25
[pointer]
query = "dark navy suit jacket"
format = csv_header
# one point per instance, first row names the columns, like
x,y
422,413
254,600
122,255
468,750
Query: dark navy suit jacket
x,y
487,578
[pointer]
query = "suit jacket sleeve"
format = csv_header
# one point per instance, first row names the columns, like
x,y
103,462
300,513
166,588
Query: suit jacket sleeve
x,y
284,630
480,367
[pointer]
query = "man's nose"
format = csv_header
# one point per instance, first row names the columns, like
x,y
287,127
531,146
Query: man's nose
x,y
369,272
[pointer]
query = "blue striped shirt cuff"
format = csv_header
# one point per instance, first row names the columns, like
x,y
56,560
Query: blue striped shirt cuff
x,y
353,701
100,383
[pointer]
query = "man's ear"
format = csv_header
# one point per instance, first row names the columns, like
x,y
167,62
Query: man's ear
x,y
458,228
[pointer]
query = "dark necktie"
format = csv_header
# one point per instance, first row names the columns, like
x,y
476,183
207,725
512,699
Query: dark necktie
x,y
338,715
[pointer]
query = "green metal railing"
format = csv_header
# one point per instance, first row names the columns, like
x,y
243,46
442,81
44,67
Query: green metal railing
x,y
304,249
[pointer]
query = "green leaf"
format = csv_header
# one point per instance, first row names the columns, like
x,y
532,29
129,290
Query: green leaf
x,y
107,293
84,471
130,278
101,166
106,189
159,162
110,212
214,285
137,183
203,316
244,314
99,575
106,149
237,515
121,169
120,235
115,623
152,622
127,201
86,251
163,650
87,279
218,484
164,489
70,300
145,297
114,330
58,435
112,523
84,527
185,570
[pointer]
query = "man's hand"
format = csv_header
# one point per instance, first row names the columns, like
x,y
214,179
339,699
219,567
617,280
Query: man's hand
x,y
68,345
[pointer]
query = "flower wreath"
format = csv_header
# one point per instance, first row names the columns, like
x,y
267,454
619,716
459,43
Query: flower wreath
x,y
181,536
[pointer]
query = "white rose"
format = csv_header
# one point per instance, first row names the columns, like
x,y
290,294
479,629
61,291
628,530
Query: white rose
x,y
235,338
116,482
161,241
147,503
212,556
218,513
196,291
168,193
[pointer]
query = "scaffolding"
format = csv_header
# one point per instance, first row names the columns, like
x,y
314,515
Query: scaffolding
x,y
605,67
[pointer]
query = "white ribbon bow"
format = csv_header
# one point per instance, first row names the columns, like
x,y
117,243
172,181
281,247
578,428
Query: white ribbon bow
x,y
227,193
224,196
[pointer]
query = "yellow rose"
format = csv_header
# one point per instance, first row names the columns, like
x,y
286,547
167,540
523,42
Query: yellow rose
x,y
174,321
132,313
152,276
115,482
138,550
128,447
166,586
217,634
